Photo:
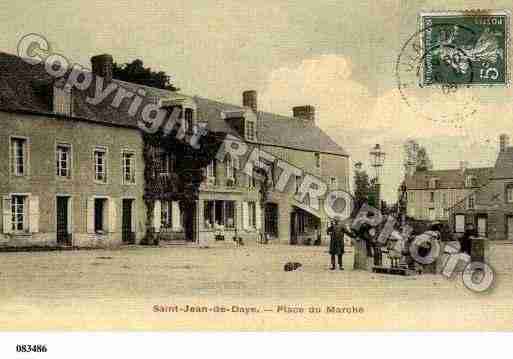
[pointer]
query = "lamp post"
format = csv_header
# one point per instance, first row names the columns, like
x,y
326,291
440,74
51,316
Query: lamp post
x,y
377,160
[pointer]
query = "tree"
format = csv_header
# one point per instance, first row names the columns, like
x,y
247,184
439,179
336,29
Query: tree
x,y
362,187
416,158
136,72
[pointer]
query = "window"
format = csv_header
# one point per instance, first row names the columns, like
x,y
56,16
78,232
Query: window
x,y
471,181
444,198
19,213
63,158
446,213
166,164
318,160
250,130
211,169
431,197
100,215
62,103
166,214
509,193
252,214
19,156
459,223
100,165
251,181
297,184
229,167
333,182
220,213
411,197
128,167
189,124
434,183
471,202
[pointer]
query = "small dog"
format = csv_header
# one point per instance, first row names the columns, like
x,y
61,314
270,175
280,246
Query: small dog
x,y
291,266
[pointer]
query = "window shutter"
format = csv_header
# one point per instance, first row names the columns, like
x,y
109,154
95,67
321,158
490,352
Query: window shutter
x,y
258,212
7,216
90,215
245,215
157,213
33,214
112,215
175,215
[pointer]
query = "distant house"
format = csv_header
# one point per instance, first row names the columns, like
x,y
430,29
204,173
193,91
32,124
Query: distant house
x,y
431,194
490,208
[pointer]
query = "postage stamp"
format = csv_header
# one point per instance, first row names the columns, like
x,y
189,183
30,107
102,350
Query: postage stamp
x,y
464,48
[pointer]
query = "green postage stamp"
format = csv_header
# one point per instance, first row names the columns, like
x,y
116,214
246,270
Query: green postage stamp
x,y
464,48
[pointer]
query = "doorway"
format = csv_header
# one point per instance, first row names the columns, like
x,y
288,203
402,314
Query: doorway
x,y
128,235
63,221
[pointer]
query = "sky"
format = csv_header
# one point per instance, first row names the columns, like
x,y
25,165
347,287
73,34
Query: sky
x,y
338,56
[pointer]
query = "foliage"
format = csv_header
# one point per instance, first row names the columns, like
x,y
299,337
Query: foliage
x,y
362,188
136,72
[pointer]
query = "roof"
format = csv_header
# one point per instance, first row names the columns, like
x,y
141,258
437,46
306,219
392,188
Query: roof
x,y
23,86
504,164
274,129
453,178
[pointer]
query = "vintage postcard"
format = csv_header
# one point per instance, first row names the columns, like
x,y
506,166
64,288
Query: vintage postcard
x,y
268,166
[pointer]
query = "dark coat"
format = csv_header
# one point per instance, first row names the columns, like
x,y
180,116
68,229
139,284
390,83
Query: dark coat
x,y
336,240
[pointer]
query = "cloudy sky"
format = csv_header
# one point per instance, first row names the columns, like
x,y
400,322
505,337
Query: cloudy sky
x,y
339,56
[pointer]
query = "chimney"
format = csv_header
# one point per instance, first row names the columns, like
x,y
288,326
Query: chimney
x,y
249,99
102,66
503,142
305,113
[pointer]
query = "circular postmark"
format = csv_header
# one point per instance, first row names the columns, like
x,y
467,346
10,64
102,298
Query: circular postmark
x,y
434,74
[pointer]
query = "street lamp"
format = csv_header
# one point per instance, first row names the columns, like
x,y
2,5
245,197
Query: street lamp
x,y
377,161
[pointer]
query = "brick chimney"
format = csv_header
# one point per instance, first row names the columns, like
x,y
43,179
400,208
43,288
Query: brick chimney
x,y
249,99
102,66
305,113
503,142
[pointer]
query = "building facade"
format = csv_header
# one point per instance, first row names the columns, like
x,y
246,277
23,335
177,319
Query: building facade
x,y
432,193
490,208
87,173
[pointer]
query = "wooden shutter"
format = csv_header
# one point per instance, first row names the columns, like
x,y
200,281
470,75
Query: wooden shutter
x,y
175,215
33,212
245,215
7,215
113,218
157,215
90,215
258,216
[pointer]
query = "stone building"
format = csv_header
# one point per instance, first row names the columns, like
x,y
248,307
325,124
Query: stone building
x,y
85,172
490,208
431,193
71,174
296,140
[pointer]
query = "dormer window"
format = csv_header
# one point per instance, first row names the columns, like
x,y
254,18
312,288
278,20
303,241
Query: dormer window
x,y
250,130
62,103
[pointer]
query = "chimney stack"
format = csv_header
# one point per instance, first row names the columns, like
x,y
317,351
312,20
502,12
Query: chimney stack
x,y
503,142
102,66
305,113
249,99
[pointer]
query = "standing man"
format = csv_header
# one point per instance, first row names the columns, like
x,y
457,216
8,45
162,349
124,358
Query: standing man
x,y
336,244
466,240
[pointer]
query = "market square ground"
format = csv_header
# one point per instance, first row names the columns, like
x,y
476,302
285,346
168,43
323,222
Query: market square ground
x,y
118,289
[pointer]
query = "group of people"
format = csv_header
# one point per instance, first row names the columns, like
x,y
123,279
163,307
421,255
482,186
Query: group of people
x,y
337,231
